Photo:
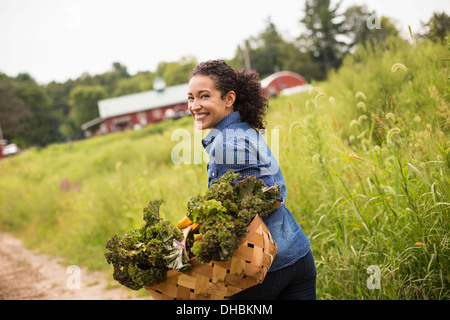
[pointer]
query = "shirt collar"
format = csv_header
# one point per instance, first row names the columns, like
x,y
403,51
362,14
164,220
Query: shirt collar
x,y
233,117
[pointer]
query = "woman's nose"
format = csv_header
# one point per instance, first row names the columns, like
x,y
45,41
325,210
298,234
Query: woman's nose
x,y
195,105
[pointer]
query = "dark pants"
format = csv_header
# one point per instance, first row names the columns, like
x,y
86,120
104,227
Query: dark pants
x,y
295,282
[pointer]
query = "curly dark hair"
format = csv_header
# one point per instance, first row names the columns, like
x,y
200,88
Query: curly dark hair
x,y
251,101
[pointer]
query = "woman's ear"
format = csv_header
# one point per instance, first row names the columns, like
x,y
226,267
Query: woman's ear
x,y
230,98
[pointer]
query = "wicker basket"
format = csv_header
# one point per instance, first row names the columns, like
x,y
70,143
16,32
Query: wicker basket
x,y
220,279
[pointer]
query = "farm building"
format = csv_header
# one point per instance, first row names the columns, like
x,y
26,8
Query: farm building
x,y
2,146
139,109
281,80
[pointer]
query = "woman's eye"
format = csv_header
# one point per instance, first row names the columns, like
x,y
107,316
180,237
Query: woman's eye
x,y
205,96
190,98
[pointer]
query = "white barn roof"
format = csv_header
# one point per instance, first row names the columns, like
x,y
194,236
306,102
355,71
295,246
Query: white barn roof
x,y
142,101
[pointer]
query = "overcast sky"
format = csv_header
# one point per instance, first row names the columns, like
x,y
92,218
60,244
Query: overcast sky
x,y
61,39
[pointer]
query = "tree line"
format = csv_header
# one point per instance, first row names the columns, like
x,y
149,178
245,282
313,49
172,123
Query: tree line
x,y
36,115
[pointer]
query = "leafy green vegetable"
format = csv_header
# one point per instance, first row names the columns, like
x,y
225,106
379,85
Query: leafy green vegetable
x,y
142,257
225,211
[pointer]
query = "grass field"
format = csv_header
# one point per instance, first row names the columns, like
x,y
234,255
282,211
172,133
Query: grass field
x,y
365,156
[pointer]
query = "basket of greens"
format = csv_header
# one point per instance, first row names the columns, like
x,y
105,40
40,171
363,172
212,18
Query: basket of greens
x,y
220,247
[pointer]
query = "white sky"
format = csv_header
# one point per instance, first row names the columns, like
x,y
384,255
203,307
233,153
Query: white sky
x,y
61,39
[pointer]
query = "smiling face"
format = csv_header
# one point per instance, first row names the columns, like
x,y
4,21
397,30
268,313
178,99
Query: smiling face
x,y
206,104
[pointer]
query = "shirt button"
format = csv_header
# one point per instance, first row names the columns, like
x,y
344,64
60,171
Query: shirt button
x,y
213,174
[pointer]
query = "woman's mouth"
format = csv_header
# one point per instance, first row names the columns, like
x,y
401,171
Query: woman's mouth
x,y
200,116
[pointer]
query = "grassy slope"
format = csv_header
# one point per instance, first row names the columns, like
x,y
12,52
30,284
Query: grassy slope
x,y
364,155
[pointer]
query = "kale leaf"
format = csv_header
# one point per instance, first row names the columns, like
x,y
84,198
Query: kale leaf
x,y
225,211
142,257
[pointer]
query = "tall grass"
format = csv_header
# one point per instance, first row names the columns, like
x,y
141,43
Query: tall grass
x,y
367,166
365,156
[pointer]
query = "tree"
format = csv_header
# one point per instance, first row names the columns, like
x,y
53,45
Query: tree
x,y
69,129
266,51
83,103
176,72
324,29
362,25
108,80
300,61
121,70
142,81
269,52
26,113
437,27
43,124
14,113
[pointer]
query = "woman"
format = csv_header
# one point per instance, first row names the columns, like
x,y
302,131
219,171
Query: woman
x,y
232,104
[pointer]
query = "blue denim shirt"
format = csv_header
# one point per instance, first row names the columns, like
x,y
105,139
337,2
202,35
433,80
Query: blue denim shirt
x,y
234,144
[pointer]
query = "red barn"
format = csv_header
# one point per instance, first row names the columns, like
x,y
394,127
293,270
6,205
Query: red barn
x,y
278,81
139,109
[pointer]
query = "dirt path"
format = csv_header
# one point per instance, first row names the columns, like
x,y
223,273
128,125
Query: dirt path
x,y
25,275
